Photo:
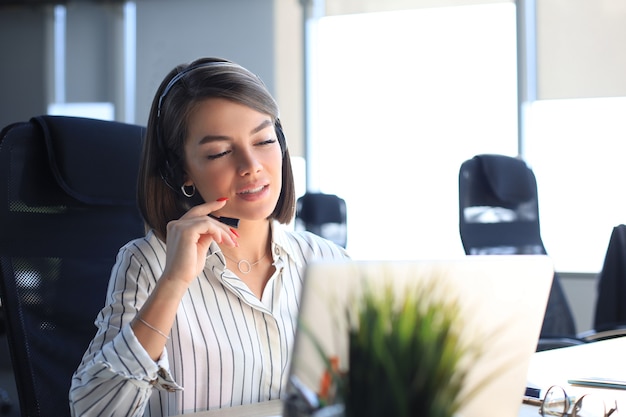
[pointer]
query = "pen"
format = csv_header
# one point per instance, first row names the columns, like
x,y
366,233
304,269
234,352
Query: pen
x,y
229,221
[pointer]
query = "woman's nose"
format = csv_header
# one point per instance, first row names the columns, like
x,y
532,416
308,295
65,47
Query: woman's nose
x,y
248,162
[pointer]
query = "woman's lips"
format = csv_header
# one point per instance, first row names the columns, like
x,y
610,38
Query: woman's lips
x,y
254,193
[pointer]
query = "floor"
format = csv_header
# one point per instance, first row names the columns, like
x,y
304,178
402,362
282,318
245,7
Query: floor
x,y
7,383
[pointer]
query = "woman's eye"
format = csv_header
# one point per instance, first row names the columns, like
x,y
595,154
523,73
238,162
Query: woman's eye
x,y
267,142
217,155
212,155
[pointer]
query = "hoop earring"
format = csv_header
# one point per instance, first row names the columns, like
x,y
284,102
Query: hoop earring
x,y
185,193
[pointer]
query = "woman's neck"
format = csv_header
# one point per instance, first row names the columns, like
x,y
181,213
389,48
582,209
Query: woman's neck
x,y
252,259
254,242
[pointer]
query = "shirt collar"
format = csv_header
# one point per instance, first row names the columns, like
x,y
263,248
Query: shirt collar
x,y
280,246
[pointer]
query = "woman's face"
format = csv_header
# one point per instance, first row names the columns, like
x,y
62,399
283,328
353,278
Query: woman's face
x,y
232,151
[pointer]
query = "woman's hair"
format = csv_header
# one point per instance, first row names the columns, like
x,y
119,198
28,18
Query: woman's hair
x,y
161,172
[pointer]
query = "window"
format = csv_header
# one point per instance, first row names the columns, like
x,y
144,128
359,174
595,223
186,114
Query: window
x,y
398,101
576,148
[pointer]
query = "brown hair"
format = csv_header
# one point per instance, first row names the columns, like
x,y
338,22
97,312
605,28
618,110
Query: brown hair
x,y
161,169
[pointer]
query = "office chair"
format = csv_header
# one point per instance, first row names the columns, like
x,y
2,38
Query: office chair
x,y
499,214
610,309
6,403
323,214
67,204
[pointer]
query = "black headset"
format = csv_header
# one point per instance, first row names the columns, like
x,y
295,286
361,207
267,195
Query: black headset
x,y
167,169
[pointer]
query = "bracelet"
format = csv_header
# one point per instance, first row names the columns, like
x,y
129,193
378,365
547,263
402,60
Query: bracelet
x,y
151,327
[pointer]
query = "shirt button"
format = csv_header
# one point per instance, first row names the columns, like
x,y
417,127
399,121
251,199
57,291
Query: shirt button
x,y
277,251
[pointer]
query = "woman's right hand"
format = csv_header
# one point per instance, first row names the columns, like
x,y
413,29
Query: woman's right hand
x,y
189,238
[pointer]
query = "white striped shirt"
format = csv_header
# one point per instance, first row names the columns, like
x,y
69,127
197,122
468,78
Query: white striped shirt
x,y
226,348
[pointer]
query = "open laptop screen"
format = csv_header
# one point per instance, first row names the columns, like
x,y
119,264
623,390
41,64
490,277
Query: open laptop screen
x,y
502,302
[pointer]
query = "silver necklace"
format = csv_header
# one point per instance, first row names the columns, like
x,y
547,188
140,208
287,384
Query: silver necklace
x,y
247,265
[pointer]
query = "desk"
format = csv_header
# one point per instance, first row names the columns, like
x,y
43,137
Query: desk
x,y
275,408
605,358
528,411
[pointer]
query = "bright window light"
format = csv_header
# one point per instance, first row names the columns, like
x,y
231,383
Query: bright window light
x,y
400,100
576,148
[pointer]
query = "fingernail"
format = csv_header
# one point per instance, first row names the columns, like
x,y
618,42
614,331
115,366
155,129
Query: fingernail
x,y
222,199
234,232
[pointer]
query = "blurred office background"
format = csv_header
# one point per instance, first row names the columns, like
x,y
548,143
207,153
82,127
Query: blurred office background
x,y
381,100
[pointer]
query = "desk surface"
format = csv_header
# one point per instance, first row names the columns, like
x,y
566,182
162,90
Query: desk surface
x,y
274,409
600,359
597,359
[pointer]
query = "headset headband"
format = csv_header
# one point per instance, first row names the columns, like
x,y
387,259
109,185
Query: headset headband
x,y
184,72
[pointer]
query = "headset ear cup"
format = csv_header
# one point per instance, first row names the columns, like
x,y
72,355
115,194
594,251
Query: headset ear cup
x,y
168,175
169,170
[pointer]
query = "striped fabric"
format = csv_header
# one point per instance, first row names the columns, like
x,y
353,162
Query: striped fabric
x,y
227,347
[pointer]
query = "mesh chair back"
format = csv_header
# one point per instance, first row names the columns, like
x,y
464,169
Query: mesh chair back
x,y
499,215
67,204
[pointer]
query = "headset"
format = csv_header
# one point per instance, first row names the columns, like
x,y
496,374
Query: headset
x,y
167,169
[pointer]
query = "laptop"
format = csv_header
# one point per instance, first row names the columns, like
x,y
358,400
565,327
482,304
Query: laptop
x,y
502,303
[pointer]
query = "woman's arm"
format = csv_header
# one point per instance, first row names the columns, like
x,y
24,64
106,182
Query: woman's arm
x,y
116,371
127,355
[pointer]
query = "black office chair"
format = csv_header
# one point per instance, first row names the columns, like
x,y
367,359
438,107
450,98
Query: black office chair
x,y
499,214
323,214
67,204
6,403
610,309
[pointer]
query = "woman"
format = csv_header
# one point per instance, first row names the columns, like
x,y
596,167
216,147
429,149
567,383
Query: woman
x,y
201,312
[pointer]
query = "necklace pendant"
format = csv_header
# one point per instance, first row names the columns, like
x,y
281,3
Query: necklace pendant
x,y
243,265
247,267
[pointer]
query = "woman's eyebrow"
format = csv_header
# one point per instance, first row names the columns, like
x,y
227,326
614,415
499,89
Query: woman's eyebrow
x,y
263,125
212,138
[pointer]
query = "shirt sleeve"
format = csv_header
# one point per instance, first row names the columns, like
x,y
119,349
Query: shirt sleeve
x,y
116,375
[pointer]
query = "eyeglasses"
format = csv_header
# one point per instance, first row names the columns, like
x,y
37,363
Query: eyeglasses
x,y
556,402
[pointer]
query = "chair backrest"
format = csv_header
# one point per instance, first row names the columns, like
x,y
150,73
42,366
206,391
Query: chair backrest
x,y
498,207
67,204
499,215
323,214
610,308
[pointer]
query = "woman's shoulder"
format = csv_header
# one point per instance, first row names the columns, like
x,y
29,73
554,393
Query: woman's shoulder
x,y
306,236
147,247
306,245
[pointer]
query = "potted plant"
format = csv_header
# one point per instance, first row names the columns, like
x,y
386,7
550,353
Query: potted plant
x,y
405,356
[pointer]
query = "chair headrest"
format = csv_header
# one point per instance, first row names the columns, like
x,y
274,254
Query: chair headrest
x,y
510,179
321,208
94,161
